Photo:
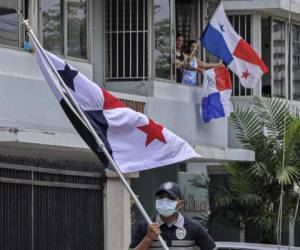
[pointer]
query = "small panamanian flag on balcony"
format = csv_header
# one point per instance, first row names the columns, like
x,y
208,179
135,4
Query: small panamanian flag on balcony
x,y
216,93
135,141
221,40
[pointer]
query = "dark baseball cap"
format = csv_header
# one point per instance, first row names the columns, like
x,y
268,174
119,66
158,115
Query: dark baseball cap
x,y
170,188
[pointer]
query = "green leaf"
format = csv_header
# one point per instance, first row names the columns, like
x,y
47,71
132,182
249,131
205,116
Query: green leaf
x,y
247,127
287,175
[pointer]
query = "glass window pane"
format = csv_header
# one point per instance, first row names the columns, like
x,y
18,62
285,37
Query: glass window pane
x,y
52,25
162,31
279,58
77,28
296,62
9,28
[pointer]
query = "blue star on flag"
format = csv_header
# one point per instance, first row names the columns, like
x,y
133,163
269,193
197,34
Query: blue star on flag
x,y
221,27
68,75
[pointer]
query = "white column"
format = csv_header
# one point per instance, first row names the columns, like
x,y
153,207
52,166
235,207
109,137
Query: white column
x,y
117,218
256,44
33,16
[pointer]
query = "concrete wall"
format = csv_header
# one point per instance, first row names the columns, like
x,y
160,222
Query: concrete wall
x,y
183,118
25,98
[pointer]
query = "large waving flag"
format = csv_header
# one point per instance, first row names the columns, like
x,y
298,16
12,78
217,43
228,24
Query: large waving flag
x,y
221,40
217,89
135,141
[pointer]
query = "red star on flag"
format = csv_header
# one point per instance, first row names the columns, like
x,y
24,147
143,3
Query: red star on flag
x,y
153,131
246,74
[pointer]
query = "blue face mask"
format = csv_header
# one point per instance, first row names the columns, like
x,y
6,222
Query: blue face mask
x,y
166,207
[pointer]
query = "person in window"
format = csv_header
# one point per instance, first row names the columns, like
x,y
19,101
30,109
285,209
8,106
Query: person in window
x,y
180,57
193,65
177,230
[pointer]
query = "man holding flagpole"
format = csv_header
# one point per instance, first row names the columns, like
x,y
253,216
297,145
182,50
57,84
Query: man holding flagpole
x,y
176,229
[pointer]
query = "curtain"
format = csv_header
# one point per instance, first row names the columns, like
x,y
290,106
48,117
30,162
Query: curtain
x,y
184,9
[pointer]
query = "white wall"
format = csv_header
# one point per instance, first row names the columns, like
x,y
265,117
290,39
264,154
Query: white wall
x,y
25,98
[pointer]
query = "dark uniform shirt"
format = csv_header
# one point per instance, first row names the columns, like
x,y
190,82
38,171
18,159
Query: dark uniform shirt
x,y
181,234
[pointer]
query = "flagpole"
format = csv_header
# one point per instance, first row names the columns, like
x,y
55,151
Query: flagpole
x,y
89,126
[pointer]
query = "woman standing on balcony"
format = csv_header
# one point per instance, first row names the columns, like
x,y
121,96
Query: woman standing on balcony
x,y
194,65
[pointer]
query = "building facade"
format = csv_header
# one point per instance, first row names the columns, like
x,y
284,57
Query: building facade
x,y
128,47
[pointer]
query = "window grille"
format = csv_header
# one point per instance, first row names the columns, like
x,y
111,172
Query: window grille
x,y
126,38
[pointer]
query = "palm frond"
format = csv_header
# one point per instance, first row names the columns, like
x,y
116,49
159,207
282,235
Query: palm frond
x,y
292,139
261,170
251,199
273,112
200,181
241,185
247,127
287,175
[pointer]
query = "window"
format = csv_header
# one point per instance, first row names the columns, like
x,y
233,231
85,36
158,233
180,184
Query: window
x,y
77,28
64,27
9,23
127,45
126,39
296,61
163,35
52,26
279,63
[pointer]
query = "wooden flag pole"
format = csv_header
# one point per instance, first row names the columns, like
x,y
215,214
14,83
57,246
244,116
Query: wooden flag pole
x,y
87,124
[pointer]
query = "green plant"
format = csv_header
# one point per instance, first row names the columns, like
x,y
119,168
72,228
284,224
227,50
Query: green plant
x,y
251,196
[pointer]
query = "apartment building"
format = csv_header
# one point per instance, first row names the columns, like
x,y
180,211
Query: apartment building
x,y
128,47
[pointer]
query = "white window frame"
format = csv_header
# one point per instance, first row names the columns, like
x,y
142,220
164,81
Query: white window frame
x,y
65,32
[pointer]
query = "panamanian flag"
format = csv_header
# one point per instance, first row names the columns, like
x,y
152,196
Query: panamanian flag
x,y
216,93
221,40
135,141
